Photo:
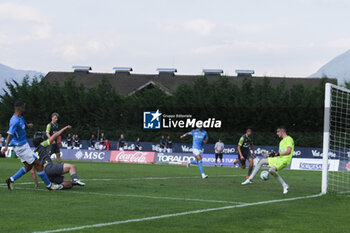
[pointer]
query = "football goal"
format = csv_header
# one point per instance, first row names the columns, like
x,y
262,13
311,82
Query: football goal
x,y
336,140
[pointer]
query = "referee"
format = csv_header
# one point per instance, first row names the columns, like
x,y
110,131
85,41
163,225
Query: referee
x,y
219,149
51,129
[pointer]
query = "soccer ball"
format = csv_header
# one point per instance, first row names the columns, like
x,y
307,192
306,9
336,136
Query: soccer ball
x,y
264,175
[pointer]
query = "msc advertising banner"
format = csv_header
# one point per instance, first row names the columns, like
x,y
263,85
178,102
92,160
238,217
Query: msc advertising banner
x,y
85,155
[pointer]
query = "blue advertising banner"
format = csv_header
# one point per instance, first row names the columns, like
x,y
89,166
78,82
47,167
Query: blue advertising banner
x,y
227,160
299,152
208,159
85,155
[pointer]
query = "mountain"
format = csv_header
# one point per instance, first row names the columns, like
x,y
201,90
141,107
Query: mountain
x,y
7,74
338,67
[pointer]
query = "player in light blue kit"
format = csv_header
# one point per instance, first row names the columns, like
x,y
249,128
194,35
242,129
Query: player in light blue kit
x,y
18,140
200,136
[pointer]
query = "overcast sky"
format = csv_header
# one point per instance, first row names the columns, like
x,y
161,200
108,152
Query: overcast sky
x,y
273,37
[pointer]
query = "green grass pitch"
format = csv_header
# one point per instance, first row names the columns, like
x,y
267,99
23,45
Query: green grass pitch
x,y
120,192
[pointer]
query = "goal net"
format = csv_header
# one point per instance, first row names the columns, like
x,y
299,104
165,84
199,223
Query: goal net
x,y
336,140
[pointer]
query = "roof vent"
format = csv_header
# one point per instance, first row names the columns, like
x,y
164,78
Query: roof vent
x,y
167,72
244,73
84,69
122,70
213,72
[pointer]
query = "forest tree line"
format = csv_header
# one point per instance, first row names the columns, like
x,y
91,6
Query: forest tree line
x,y
102,109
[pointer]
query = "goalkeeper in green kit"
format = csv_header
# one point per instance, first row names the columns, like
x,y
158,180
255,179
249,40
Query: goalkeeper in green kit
x,y
277,160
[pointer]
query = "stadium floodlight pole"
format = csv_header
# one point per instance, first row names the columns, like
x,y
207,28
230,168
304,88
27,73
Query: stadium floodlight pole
x,y
326,130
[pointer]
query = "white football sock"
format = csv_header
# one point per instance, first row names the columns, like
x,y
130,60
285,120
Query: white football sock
x,y
257,168
279,178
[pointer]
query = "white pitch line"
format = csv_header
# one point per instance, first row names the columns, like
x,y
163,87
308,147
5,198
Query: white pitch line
x,y
144,196
344,192
182,199
160,197
177,214
137,178
19,183
156,178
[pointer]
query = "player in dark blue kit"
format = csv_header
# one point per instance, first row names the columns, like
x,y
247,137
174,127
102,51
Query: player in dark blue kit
x,y
121,143
200,136
17,138
69,141
162,144
169,145
138,146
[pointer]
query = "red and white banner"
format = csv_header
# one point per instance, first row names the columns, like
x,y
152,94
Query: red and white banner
x,y
347,166
132,156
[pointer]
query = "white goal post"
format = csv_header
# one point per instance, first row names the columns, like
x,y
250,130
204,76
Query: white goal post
x,y
336,139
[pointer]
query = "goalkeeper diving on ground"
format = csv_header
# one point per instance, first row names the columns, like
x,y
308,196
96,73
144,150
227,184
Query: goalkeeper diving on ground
x,y
277,160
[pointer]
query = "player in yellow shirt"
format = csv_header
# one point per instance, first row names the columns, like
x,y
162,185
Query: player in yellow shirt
x,y
277,161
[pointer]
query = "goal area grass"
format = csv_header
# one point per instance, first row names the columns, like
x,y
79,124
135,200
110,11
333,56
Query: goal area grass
x,y
170,198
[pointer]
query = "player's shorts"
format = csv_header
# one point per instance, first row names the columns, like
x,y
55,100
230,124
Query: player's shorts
x,y
197,152
55,172
54,149
218,155
25,153
247,155
163,150
279,162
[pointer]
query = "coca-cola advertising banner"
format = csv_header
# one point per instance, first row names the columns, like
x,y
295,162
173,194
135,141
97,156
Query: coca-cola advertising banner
x,y
132,156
